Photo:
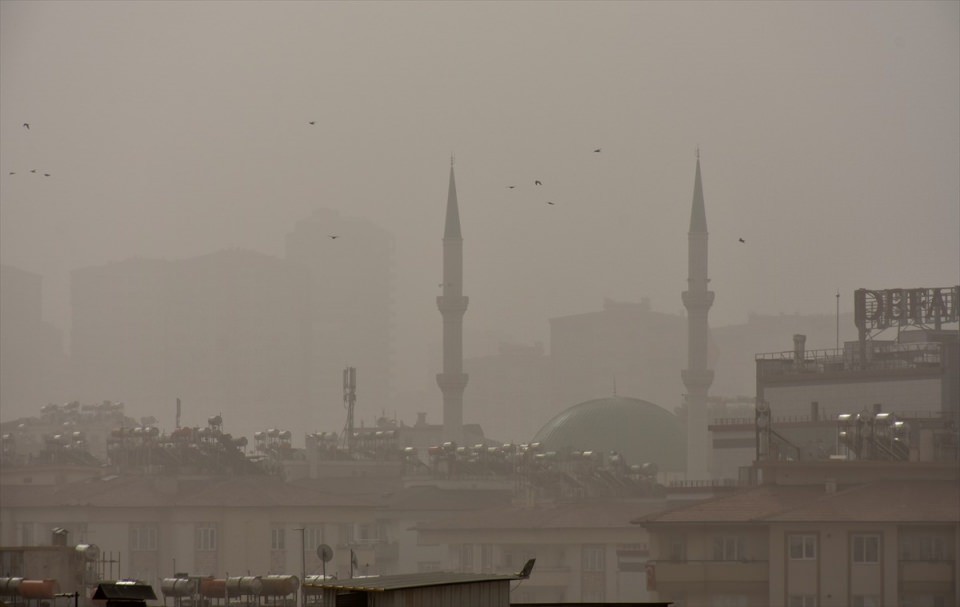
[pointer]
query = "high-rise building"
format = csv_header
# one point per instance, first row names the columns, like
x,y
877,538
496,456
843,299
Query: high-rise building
x,y
349,267
224,332
31,359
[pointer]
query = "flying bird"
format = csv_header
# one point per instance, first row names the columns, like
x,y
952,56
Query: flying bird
x,y
596,151
33,170
313,122
510,187
537,182
548,202
333,236
742,240
13,172
26,125
46,174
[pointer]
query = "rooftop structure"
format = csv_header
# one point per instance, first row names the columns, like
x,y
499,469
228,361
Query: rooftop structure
x,y
639,430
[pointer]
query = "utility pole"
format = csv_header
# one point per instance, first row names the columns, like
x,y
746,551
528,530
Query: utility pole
x,y
303,565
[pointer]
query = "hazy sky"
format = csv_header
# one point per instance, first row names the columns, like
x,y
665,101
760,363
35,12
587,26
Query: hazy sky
x,y
829,136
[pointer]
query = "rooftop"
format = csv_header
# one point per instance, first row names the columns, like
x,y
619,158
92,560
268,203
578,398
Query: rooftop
x,y
412,580
895,501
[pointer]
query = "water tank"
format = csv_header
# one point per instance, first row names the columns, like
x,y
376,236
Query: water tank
x,y
312,584
88,552
10,586
244,585
39,589
177,586
279,585
213,588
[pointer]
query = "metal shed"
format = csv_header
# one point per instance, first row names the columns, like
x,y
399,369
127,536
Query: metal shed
x,y
434,589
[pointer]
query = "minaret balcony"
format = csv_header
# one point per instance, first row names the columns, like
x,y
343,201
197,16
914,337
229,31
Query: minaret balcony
x,y
454,383
697,378
454,304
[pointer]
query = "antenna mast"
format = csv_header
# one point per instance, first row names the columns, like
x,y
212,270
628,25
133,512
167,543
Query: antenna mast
x,y
349,401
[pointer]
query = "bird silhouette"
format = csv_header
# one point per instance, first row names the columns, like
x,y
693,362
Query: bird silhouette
x,y
33,170
597,151
46,174
742,240
26,125
510,187
13,172
313,122
333,236
548,202
537,182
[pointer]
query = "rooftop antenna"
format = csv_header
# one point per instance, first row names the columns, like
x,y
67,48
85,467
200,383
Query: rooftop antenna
x,y
349,401
838,319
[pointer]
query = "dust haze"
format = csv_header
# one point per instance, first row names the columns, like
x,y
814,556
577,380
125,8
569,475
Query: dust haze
x,y
828,134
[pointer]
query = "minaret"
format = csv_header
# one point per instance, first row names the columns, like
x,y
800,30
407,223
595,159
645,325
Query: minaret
x,y
697,299
452,305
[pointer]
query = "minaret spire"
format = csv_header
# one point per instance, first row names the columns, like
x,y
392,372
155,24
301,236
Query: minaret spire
x,y
697,299
452,305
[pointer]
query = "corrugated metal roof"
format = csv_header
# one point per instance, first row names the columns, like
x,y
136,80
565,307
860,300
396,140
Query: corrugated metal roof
x,y
412,580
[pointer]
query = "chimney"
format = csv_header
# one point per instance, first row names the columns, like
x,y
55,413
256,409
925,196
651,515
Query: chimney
x,y
799,349
58,536
814,411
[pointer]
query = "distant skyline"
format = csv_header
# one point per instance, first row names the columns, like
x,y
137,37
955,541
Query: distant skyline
x,y
829,136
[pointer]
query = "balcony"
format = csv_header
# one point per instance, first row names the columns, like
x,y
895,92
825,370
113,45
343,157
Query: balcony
x,y
684,572
926,571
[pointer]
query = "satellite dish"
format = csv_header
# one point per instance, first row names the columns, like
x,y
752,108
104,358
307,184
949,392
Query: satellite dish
x,y
325,553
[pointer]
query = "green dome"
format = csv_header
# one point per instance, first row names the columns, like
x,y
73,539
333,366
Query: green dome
x,y
639,430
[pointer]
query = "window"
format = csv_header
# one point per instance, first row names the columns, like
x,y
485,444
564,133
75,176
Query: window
x,y
727,548
675,548
312,537
802,600
143,538
466,558
486,558
802,547
278,538
865,600
26,534
925,547
206,537
594,558
866,548
367,533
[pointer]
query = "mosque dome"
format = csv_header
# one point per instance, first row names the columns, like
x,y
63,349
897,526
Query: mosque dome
x,y
639,430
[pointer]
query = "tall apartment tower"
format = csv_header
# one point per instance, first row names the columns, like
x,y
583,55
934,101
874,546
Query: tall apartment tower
x,y
697,299
452,305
